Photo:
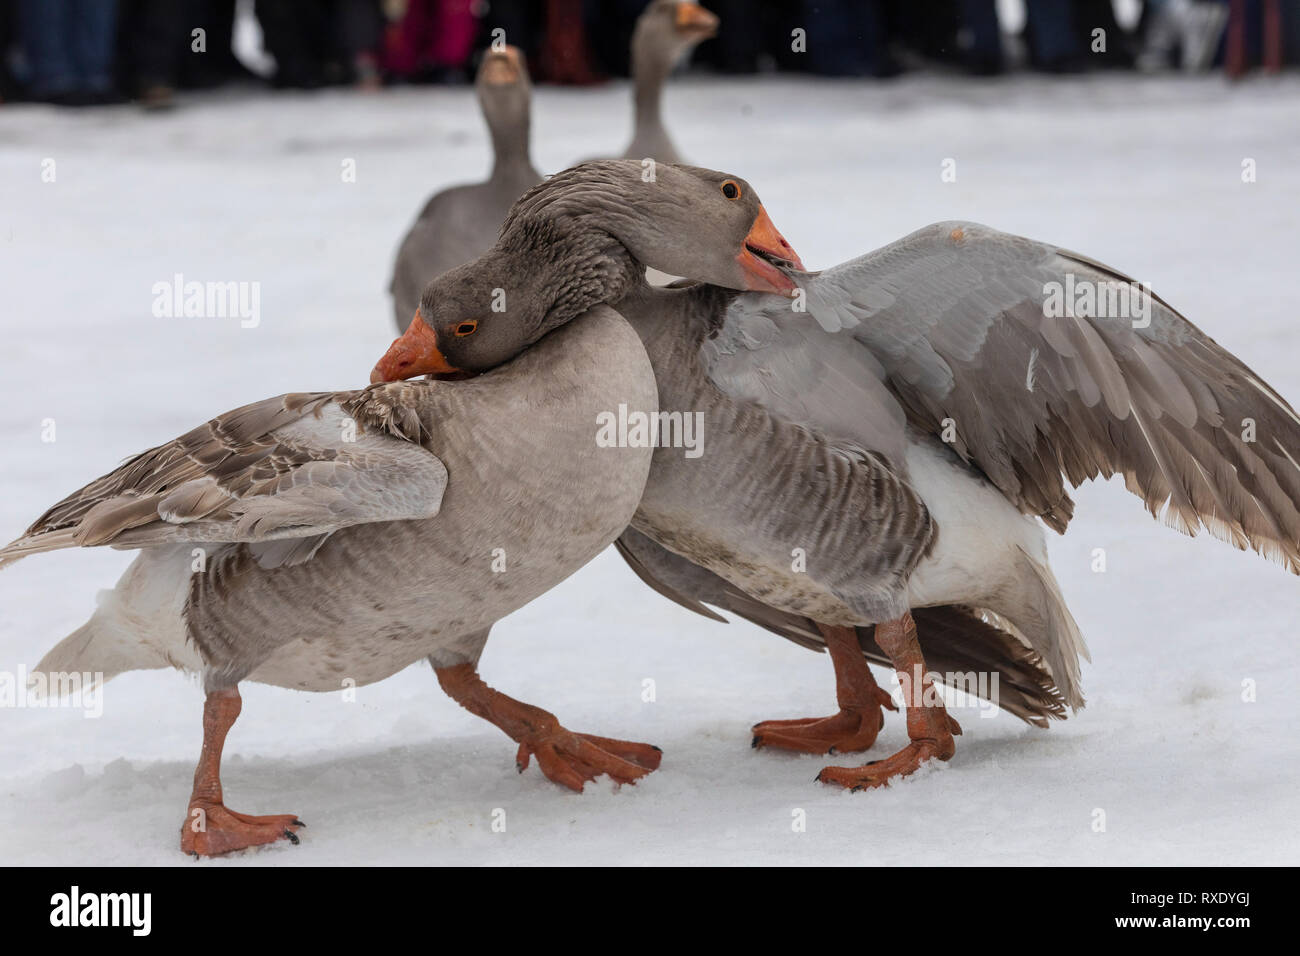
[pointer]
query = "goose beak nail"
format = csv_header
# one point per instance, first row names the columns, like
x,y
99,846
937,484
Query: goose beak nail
x,y
763,251
415,353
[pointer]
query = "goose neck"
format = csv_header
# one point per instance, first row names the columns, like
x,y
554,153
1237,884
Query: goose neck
x,y
510,150
649,73
564,272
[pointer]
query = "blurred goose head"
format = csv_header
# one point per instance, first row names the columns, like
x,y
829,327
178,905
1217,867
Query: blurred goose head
x,y
667,29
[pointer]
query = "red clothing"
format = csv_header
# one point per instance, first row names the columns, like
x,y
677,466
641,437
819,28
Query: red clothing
x,y
431,34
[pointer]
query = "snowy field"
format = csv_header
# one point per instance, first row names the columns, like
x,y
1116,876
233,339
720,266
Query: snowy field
x,y
1143,175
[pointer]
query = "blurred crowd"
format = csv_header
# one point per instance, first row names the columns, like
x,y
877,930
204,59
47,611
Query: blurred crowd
x,y
89,52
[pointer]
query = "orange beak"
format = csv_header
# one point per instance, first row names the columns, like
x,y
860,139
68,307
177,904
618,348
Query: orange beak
x,y
415,353
765,240
693,18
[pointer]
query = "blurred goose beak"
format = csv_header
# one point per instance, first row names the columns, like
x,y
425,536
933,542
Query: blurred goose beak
x,y
693,19
502,67
764,249
415,353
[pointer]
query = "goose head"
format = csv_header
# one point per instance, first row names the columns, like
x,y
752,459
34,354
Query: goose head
x,y
582,238
667,29
684,220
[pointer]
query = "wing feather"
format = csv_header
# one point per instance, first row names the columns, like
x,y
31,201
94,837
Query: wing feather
x,y
294,468
956,315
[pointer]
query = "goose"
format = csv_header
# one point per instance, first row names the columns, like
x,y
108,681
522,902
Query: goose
x,y
912,421
459,224
320,538
905,427
664,33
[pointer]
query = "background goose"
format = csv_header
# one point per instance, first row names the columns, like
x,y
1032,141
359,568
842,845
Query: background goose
x,y
345,535
665,32
461,223
913,424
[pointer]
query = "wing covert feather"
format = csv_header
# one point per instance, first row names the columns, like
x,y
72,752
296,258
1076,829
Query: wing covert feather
x,y
294,468
956,315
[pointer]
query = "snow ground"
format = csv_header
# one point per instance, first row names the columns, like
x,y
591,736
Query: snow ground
x,y
1144,175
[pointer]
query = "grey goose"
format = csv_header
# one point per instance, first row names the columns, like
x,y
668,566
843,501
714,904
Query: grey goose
x,y
911,425
345,535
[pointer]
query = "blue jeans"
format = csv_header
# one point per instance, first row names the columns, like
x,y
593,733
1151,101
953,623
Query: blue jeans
x,y
980,17
1051,25
68,45
845,37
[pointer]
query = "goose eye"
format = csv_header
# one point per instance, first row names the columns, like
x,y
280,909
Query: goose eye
x,y
467,328
731,189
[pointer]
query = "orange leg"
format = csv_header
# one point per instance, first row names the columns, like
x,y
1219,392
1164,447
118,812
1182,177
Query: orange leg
x,y
565,757
928,724
211,829
860,698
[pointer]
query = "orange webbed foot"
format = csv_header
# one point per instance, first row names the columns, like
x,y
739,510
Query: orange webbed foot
x,y
938,745
572,760
879,773
568,759
211,829
852,730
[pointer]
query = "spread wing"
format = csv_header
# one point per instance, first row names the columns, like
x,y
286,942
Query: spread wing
x,y
992,335
280,474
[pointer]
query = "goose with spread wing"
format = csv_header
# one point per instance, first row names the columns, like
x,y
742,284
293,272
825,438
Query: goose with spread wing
x,y
896,436
831,495
329,539
906,425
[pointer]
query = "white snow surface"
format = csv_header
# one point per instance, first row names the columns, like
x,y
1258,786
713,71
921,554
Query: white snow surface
x,y
1144,175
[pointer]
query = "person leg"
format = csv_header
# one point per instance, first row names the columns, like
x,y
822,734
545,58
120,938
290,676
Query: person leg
x,y
44,28
93,32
